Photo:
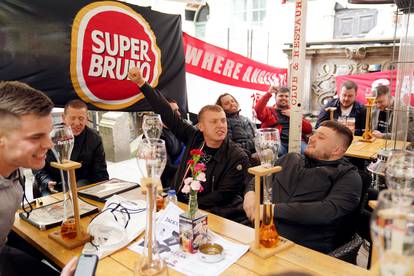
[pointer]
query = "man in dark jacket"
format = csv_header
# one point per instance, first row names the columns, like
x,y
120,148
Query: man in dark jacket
x,y
226,163
347,106
239,128
88,150
317,194
278,116
175,150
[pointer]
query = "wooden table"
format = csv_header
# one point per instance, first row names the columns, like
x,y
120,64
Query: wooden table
x,y
369,150
296,258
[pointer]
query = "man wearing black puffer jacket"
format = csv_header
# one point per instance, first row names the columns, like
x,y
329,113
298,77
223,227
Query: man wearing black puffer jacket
x,y
240,129
226,163
317,194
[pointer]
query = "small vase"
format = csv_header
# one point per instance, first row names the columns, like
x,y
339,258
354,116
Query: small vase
x,y
193,226
192,205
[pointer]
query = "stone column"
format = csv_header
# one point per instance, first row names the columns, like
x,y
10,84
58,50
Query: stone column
x,y
115,133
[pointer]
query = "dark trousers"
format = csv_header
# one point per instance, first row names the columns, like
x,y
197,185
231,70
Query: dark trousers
x,y
14,262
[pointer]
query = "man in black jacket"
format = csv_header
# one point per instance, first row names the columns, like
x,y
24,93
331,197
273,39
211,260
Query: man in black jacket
x,y
226,163
175,150
240,129
315,195
88,150
347,106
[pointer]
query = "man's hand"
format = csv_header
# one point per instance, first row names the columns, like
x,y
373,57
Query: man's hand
x,y
134,74
273,89
51,186
249,204
286,112
69,268
377,134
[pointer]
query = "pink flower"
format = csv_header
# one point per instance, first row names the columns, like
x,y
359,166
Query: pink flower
x,y
185,189
201,177
199,167
188,180
195,185
190,162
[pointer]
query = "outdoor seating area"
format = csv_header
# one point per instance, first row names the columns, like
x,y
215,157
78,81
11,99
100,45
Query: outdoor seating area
x,y
162,137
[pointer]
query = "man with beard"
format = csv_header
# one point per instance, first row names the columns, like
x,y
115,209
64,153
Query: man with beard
x,y
278,116
88,150
240,129
381,121
347,106
226,163
316,194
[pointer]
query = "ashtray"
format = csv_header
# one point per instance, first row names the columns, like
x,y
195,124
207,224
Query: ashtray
x,y
211,252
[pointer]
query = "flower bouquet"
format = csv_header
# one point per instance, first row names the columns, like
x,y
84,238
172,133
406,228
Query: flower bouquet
x,y
193,225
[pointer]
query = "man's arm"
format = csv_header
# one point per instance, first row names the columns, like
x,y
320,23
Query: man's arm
x,y
160,105
99,171
360,121
263,112
43,177
323,115
230,185
306,127
343,198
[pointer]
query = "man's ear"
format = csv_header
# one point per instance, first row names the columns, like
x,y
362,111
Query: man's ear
x,y
200,126
339,151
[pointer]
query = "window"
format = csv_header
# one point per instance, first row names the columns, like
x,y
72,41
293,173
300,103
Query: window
x,y
354,23
249,11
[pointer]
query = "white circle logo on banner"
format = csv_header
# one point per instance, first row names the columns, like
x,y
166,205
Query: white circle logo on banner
x,y
108,38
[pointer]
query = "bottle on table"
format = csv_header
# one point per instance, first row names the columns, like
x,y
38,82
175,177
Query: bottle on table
x,y
171,197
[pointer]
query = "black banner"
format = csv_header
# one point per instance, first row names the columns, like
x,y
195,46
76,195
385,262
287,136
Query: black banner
x,y
83,49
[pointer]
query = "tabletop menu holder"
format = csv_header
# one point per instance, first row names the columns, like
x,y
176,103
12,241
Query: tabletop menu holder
x,y
81,236
255,247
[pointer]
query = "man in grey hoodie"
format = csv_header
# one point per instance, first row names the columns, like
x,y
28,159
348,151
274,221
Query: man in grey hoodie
x,y
25,124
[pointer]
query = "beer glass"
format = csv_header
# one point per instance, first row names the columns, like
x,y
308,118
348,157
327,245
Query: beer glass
x,y
151,158
152,126
63,142
400,170
392,230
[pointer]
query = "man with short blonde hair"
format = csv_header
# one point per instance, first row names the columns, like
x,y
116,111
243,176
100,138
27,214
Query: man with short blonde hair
x,y
226,163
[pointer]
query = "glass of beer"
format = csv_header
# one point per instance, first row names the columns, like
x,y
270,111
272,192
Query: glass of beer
x,y
63,142
392,230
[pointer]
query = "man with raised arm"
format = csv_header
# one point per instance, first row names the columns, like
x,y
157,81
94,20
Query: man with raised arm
x,y
226,163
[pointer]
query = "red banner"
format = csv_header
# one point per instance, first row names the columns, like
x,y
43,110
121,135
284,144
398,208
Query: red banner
x,y
218,64
368,81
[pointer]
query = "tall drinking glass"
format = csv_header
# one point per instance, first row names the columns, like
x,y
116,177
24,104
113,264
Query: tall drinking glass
x,y
151,159
400,170
63,142
152,126
392,230
267,144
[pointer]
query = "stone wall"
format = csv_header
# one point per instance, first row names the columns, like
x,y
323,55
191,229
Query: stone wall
x,y
324,62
